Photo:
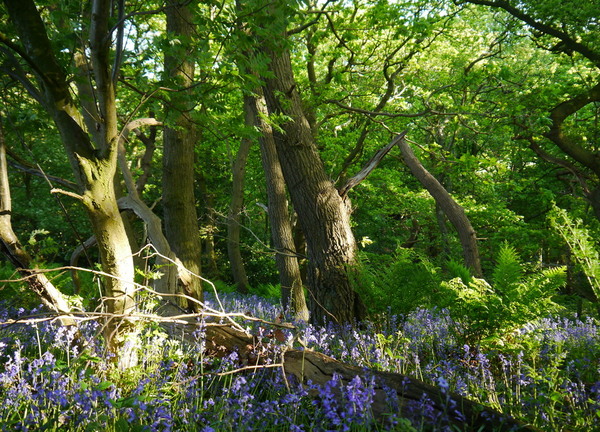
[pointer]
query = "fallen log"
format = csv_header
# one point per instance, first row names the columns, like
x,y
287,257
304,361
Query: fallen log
x,y
307,366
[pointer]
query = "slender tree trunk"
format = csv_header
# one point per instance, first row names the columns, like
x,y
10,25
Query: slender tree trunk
x,y
322,212
50,296
179,204
455,213
210,229
292,290
234,221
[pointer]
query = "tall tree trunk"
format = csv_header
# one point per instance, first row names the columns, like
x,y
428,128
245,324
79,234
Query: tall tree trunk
x,y
93,167
238,270
455,213
170,266
180,218
292,290
322,212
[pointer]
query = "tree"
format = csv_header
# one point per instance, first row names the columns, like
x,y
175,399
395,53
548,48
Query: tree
x,y
290,279
179,204
454,212
555,28
234,221
94,163
12,249
323,214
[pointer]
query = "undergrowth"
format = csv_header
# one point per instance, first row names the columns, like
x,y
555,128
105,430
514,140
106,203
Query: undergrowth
x,y
547,373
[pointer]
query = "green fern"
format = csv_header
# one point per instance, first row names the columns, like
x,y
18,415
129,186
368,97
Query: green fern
x,y
508,271
489,312
458,269
540,287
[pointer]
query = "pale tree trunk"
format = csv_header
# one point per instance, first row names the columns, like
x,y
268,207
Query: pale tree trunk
x,y
322,213
236,261
292,290
455,213
94,167
178,198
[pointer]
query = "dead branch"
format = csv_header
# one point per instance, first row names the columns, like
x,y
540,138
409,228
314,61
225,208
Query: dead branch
x,y
370,166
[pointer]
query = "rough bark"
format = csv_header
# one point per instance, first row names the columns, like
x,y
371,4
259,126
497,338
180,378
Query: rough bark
x,y
94,167
178,199
290,279
322,213
455,213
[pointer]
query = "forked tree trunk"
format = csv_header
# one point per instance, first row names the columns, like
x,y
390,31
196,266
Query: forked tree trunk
x,y
455,213
292,290
169,265
178,198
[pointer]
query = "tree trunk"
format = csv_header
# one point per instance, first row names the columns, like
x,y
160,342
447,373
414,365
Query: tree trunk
x,y
210,268
454,212
179,204
292,290
234,221
322,213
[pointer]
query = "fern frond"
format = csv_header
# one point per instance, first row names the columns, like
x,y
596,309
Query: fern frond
x,y
458,269
508,271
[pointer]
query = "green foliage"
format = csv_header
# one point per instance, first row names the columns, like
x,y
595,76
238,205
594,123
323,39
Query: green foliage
x,y
508,271
490,312
15,293
268,291
583,249
459,270
399,283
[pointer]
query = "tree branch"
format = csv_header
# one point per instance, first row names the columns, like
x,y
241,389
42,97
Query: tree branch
x,y
559,114
569,42
376,113
370,166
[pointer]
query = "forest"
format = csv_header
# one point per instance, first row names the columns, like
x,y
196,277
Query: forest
x,y
301,215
